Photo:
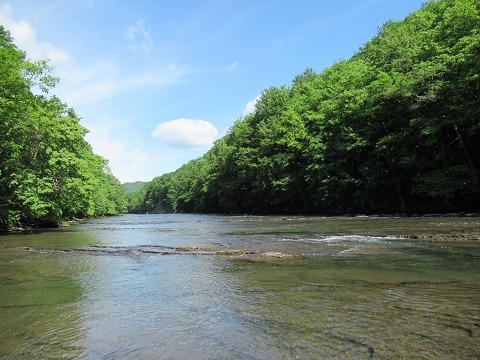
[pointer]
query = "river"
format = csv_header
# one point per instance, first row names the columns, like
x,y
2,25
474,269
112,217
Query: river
x,y
243,287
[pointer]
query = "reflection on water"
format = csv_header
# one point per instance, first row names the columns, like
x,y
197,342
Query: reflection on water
x,y
383,288
37,306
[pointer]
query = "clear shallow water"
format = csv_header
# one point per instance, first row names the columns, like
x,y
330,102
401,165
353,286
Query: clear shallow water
x,y
129,287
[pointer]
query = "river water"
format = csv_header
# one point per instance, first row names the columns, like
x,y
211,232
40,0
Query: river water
x,y
243,287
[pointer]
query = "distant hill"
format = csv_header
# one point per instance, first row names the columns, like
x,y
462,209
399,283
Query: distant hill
x,y
131,187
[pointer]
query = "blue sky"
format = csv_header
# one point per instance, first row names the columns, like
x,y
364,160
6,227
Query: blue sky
x,y
156,82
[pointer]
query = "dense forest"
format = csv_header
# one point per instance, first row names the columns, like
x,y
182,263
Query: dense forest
x,y
48,171
395,128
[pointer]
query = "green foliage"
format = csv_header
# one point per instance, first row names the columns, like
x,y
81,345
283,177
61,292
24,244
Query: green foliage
x,y
131,187
394,128
134,192
48,172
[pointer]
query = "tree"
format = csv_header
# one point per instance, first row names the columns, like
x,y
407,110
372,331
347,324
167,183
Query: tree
x,y
48,172
393,129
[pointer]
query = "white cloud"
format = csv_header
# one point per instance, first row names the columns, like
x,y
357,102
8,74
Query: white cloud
x,y
139,37
186,133
250,107
86,85
26,39
95,82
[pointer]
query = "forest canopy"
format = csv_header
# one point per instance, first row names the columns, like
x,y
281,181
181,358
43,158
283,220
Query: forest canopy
x,y
48,171
395,128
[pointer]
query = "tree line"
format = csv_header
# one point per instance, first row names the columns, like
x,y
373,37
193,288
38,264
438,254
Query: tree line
x,y
48,171
395,128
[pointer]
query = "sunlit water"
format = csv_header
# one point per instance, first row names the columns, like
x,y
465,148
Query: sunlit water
x,y
155,287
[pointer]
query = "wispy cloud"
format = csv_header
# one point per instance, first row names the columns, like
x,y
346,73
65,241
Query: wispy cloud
x,y
111,85
125,158
139,38
186,133
233,66
83,85
360,8
26,39
323,22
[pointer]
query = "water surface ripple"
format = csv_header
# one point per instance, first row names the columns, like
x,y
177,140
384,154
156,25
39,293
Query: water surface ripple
x,y
243,287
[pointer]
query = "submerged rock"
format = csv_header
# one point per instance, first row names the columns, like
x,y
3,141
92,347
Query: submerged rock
x,y
187,248
278,255
231,252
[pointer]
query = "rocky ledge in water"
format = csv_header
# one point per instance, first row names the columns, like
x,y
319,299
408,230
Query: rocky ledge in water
x,y
257,255
166,250
277,255
326,248
446,237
